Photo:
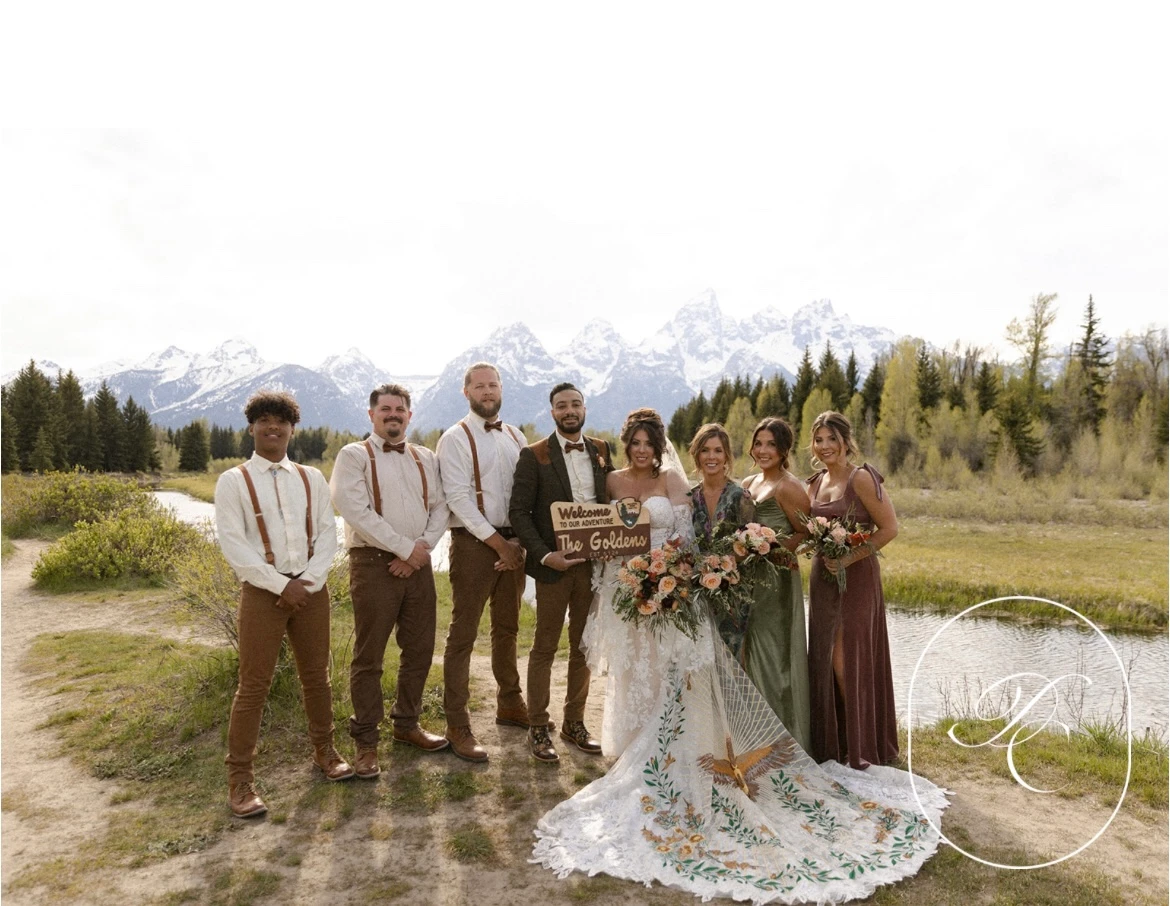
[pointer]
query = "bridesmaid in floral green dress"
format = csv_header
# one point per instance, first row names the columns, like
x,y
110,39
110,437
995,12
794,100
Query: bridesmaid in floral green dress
x,y
718,501
774,650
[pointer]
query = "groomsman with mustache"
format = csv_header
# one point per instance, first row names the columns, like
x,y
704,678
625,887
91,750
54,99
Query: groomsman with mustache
x,y
389,494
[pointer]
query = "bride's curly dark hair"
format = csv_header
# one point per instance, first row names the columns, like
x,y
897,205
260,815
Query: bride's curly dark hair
x,y
647,420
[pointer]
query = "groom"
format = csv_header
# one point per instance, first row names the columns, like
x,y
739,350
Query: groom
x,y
565,466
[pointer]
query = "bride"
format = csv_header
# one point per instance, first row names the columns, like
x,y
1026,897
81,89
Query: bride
x,y
636,661
710,794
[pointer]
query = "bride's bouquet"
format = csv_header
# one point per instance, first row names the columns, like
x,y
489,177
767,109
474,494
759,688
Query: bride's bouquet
x,y
833,539
658,589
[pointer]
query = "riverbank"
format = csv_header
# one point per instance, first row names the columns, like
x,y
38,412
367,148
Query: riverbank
x,y
118,794
1105,559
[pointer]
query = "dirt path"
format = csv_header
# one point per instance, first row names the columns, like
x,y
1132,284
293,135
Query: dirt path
x,y
50,807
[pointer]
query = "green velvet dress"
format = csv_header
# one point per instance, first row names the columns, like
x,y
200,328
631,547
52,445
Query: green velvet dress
x,y
774,650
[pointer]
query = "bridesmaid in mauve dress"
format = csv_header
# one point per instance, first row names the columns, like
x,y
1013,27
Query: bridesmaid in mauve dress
x,y
775,647
850,680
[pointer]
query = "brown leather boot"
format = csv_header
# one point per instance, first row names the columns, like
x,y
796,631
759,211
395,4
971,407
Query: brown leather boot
x,y
420,739
465,745
332,765
244,801
365,766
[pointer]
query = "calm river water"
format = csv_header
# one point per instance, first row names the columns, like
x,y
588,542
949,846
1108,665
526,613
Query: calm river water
x,y
973,654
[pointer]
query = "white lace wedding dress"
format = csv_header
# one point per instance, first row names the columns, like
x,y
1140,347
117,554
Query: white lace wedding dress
x,y
634,660
711,794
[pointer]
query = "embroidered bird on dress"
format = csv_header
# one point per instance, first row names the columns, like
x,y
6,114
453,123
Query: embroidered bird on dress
x,y
743,770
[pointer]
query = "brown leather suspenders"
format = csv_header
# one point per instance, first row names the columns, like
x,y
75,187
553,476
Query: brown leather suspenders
x,y
260,524
475,462
374,478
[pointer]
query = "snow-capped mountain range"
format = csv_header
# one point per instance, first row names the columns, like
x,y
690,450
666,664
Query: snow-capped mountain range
x,y
692,351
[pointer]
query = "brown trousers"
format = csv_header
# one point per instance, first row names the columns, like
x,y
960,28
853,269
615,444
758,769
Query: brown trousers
x,y
475,580
262,627
383,604
573,593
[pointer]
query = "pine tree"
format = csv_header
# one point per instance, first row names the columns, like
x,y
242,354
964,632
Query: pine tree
x,y
70,419
111,430
195,451
852,374
223,442
757,389
246,445
1090,351
141,453
830,377
721,401
986,388
806,379
775,398
930,389
42,454
9,455
1015,429
871,391
31,403
92,450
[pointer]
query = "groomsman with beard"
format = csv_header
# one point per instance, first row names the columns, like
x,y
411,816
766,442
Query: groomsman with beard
x,y
477,459
565,466
389,493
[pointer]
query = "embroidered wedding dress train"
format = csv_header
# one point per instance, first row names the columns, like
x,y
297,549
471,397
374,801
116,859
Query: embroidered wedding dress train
x,y
713,796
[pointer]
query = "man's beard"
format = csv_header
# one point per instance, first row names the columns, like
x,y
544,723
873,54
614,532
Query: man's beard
x,y
488,410
393,430
560,423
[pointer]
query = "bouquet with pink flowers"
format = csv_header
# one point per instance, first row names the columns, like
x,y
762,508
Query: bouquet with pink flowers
x,y
833,539
658,588
758,543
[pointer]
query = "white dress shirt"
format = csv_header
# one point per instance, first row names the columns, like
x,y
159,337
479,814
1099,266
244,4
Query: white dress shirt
x,y
497,452
404,520
281,493
580,466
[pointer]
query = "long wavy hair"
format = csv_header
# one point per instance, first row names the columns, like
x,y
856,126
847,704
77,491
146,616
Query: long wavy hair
x,y
839,425
647,420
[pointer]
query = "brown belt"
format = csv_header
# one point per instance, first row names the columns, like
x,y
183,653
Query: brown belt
x,y
375,553
506,533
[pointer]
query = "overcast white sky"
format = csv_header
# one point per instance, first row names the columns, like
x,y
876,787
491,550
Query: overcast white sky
x,y
404,181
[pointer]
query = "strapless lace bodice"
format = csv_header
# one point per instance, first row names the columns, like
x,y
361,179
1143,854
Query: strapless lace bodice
x,y
663,519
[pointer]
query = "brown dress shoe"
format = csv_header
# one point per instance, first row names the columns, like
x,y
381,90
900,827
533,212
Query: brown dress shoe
x,y
244,801
332,765
574,731
541,744
365,766
421,739
465,745
513,717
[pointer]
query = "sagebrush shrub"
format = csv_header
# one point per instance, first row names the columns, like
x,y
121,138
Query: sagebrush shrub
x,y
60,499
127,545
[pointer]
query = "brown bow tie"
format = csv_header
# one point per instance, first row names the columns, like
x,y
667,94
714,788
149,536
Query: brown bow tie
x,y
397,448
493,426
569,448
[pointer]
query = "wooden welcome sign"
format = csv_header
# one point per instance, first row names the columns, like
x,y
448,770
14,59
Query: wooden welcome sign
x,y
602,530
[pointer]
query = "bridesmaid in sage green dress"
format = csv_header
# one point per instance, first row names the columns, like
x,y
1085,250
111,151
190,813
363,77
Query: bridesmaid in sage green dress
x,y
774,650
